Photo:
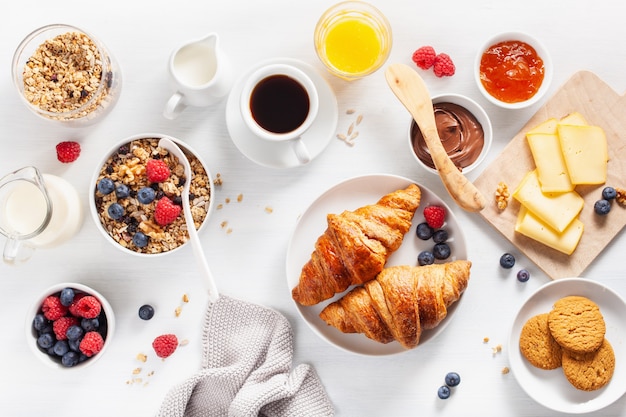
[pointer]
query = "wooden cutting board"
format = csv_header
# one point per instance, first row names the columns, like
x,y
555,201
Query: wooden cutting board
x,y
587,94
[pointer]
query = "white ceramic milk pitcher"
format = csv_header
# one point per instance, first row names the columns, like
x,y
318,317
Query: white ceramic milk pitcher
x,y
36,210
200,74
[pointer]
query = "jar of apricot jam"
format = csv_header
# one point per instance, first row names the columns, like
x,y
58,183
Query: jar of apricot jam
x,y
511,71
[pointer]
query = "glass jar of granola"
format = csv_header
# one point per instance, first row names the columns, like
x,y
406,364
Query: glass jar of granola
x,y
65,74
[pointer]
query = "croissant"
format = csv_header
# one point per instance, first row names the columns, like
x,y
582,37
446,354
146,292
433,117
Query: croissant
x,y
400,303
356,245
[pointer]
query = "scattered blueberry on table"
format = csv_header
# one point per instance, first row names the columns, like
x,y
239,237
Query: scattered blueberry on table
x,y
507,261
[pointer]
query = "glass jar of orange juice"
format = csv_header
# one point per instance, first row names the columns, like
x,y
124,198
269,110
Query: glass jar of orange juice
x,y
353,39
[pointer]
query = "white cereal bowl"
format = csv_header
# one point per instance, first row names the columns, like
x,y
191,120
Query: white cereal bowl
x,y
128,247
542,52
475,109
106,327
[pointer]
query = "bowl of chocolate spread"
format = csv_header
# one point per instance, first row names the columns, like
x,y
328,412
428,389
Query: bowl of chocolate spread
x,y
464,129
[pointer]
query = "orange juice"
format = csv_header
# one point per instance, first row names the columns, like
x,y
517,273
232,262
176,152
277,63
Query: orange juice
x,y
352,46
352,39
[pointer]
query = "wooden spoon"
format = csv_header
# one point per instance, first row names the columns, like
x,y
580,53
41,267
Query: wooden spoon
x,y
411,90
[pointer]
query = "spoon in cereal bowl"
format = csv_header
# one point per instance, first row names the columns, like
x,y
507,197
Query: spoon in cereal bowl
x,y
175,150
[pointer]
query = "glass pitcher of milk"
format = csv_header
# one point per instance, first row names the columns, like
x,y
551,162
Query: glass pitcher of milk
x,y
36,211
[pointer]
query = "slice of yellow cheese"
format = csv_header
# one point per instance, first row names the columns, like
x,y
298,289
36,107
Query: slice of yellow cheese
x,y
551,170
547,127
557,210
585,151
574,118
533,227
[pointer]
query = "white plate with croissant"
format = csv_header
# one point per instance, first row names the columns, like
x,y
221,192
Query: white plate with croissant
x,y
353,270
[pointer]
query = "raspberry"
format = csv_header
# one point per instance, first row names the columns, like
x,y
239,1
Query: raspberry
x,y
443,67
157,170
88,307
424,57
165,345
91,344
61,325
68,151
435,216
52,308
166,211
73,308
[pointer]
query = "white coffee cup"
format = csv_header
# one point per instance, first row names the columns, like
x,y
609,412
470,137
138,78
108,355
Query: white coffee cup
x,y
200,73
279,103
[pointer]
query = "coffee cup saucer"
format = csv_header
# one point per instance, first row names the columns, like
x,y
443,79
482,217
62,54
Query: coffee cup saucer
x,y
280,154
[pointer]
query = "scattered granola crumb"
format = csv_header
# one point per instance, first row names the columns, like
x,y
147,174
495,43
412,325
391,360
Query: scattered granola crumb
x,y
220,206
350,111
341,136
218,179
359,119
185,298
227,200
229,231
502,196
269,210
142,357
239,198
505,370
224,224
350,129
485,340
497,349
136,371
150,373
178,310
184,342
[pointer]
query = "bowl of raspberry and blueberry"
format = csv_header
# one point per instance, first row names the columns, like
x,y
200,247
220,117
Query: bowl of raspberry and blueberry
x,y
136,196
70,325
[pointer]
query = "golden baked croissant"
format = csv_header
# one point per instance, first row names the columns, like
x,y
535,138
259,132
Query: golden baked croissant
x,y
401,302
356,245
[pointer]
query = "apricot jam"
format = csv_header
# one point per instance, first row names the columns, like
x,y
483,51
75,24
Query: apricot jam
x,y
511,71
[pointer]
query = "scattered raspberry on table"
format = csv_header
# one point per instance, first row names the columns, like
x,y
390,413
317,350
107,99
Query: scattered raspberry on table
x,y
443,66
424,57
165,345
68,151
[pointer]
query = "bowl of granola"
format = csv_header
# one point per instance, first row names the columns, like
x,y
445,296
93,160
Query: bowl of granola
x,y
63,73
135,196
69,325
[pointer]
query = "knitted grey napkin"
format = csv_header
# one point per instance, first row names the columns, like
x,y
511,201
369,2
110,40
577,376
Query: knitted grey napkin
x,y
247,369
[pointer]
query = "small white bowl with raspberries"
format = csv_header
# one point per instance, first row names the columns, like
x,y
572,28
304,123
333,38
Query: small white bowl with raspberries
x,y
70,326
135,196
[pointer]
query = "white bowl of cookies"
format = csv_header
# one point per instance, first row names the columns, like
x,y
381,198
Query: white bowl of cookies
x,y
566,346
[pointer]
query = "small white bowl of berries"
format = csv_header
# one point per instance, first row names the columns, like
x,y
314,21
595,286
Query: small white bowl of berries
x,y
70,325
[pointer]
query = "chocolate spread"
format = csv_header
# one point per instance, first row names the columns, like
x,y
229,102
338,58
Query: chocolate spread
x,y
461,134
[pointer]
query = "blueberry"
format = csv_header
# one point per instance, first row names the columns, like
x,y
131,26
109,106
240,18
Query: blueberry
x,y
122,191
106,186
61,348
70,359
523,275
441,251
443,392
425,258
452,379
116,211
424,231
74,332
440,236
89,325
146,312
46,341
67,296
507,261
602,207
146,195
74,344
40,322
609,193
140,240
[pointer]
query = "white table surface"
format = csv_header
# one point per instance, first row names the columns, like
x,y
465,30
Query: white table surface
x,y
249,262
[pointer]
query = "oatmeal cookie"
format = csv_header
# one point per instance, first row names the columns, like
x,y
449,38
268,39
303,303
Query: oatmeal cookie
x,y
590,371
577,324
537,344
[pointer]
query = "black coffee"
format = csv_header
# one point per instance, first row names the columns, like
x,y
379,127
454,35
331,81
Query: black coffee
x,y
279,104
